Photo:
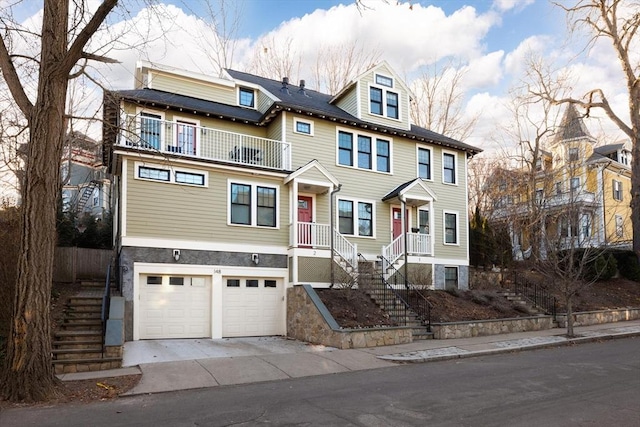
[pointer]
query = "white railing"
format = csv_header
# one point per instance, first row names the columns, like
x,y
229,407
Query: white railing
x,y
207,143
347,250
314,235
417,244
392,251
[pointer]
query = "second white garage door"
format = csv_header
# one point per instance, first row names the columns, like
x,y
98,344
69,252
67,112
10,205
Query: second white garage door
x,y
252,307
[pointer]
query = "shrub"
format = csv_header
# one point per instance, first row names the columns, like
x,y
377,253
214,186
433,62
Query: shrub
x,y
628,265
603,268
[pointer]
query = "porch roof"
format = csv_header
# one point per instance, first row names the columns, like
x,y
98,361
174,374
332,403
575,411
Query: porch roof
x,y
413,193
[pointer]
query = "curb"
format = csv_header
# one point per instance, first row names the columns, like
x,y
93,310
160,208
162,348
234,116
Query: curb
x,y
570,341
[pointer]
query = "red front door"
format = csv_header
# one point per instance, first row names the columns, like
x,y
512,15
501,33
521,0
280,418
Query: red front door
x,y
397,222
305,218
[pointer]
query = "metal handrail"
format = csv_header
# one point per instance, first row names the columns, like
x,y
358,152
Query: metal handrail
x,y
412,295
106,302
535,294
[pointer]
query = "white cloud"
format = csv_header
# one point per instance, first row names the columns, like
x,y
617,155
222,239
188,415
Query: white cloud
x,y
485,71
516,61
505,5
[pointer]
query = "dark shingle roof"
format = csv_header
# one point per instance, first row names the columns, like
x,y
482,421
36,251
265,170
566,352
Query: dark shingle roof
x,y
572,126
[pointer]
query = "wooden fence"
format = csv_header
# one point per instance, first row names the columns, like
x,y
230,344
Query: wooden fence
x,y
71,264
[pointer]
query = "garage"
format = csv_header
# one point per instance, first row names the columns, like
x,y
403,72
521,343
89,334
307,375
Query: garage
x,y
175,306
252,307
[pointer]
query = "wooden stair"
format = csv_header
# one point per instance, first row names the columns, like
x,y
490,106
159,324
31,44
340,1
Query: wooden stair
x,y
78,342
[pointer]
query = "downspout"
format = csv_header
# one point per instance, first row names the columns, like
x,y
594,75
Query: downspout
x,y
405,236
332,231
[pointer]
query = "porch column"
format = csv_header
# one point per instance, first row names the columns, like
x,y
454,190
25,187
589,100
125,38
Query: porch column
x,y
294,232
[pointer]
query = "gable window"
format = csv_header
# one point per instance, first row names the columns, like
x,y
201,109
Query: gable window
x,y
364,152
303,127
384,80
150,130
424,163
252,204
376,100
573,154
383,156
345,149
392,105
246,97
362,156
449,168
450,228
617,190
358,223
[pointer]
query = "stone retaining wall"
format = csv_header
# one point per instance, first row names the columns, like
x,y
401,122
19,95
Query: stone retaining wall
x,y
586,318
309,320
490,327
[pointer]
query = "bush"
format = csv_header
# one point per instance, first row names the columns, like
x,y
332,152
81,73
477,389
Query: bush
x,y
602,268
628,265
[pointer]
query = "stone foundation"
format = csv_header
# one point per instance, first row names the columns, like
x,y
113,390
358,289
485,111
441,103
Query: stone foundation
x,y
490,327
309,320
586,318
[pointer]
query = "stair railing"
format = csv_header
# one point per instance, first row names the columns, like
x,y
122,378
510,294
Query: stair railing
x,y
106,303
410,294
378,284
392,252
347,250
535,294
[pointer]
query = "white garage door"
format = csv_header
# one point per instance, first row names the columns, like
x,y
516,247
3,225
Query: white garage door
x,y
252,307
174,307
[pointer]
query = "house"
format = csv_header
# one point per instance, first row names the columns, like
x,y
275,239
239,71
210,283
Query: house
x,y
581,197
231,190
86,188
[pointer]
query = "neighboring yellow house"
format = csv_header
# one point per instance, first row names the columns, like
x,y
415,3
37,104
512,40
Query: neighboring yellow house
x,y
581,197
232,189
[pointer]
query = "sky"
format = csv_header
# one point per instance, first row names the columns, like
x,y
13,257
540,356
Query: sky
x,y
488,39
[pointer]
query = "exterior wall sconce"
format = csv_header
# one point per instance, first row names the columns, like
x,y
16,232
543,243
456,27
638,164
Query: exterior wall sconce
x,y
176,254
255,258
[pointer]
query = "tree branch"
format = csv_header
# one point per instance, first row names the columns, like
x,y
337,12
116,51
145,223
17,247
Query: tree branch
x,y
99,58
75,52
13,81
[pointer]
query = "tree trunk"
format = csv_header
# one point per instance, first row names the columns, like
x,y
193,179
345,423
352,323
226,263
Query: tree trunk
x,y
569,302
28,371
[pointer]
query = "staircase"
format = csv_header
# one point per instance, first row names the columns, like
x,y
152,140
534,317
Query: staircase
x,y
393,299
520,300
78,343
86,194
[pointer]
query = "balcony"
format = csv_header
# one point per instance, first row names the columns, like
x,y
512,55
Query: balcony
x,y
166,137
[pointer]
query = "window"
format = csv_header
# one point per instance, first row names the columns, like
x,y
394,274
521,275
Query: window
x,y
451,278
575,183
150,130
189,178
270,283
450,228
384,80
423,221
345,149
558,188
585,225
266,206
376,100
252,204
345,216
382,156
247,97
233,283
252,283
449,168
424,163
303,127
539,195
350,224
186,135
619,226
153,173
95,201
366,152
392,105
617,190
573,154
154,280
176,281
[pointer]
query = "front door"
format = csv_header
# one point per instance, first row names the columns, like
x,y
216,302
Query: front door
x,y
397,222
305,220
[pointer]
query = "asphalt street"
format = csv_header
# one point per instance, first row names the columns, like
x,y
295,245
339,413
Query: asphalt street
x,y
589,384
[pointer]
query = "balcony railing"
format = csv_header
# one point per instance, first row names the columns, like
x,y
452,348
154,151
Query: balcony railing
x,y
312,235
163,136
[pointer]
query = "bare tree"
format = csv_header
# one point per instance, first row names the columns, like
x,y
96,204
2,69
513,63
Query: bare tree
x,y
276,59
616,21
336,66
63,38
439,102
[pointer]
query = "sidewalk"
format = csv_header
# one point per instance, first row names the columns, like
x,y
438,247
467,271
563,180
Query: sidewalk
x,y
218,371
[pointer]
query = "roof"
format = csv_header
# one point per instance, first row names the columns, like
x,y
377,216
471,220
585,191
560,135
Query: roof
x,y
572,126
601,153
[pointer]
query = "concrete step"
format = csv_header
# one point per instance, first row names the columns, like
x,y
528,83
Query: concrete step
x,y
68,366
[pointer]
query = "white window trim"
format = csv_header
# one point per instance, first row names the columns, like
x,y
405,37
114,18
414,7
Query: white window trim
x,y
255,97
374,151
618,184
172,174
384,90
190,121
308,122
254,203
444,227
384,76
424,147
456,176
355,202
162,116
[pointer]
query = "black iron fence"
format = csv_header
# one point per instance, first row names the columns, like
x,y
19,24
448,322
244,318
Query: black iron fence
x,y
534,293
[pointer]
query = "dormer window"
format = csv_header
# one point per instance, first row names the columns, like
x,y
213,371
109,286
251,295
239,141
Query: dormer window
x,y
246,97
383,102
573,154
384,80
